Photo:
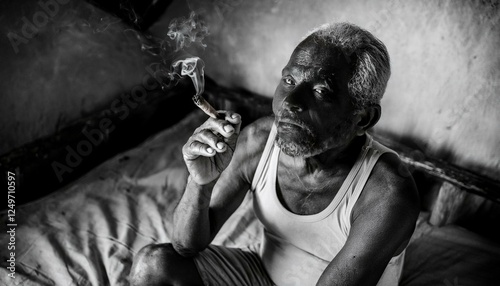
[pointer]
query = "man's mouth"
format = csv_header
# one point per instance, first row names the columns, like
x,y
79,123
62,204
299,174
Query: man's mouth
x,y
294,136
290,124
288,121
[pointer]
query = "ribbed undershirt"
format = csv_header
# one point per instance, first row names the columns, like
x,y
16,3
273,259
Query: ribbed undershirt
x,y
296,249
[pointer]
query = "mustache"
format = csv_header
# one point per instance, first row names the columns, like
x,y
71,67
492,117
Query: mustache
x,y
293,119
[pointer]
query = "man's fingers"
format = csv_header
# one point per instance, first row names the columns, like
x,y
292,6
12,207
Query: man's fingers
x,y
232,117
226,127
214,136
196,149
235,120
204,143
209,138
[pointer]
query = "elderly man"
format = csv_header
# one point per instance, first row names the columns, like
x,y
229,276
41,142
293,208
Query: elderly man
x,y
338,208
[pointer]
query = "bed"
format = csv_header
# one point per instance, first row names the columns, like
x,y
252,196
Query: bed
x,y
88,232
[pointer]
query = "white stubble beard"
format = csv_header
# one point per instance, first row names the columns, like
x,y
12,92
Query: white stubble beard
x,y
308,144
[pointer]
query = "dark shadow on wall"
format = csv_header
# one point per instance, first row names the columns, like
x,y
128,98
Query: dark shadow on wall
x,y
52,162
476,203
140,14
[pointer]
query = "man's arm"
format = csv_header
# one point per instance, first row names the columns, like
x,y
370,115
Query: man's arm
x,y
383,221
204,208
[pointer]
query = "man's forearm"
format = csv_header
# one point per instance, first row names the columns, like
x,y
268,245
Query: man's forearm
x,y
191,219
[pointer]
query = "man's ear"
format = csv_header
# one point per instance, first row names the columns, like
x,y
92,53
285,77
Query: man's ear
x,y
368,117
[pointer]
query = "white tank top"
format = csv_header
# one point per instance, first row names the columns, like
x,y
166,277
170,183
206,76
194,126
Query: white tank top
x,y
296,249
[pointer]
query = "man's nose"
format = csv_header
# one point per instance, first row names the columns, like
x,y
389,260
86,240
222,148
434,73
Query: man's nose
x,y
294,101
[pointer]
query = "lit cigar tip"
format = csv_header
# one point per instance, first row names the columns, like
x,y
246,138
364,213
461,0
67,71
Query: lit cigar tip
x,y
206,107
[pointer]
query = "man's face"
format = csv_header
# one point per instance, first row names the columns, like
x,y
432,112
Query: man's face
x,y
311,103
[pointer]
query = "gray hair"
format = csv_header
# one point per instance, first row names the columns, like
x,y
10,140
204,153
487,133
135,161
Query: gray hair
x,y
368,55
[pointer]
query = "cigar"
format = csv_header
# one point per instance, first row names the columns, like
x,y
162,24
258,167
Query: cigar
x,y
206,107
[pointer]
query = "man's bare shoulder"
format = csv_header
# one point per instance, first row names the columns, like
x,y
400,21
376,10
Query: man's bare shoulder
x,y
390,188
251,143
390,202
393,179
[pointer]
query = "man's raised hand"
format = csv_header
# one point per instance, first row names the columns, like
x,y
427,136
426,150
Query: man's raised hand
x,y
210,149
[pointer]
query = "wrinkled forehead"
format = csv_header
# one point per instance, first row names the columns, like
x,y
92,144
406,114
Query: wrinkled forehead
x,y
319,57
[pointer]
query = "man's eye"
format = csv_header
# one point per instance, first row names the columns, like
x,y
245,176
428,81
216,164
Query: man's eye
x,y
319,91
323,94
288,81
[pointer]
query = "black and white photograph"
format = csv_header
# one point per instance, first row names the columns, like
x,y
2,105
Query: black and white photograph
x,y
250,143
